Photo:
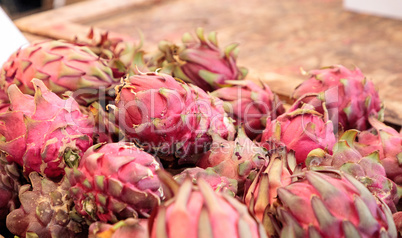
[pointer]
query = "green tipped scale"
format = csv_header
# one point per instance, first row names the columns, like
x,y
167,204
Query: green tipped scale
x,y
240,159
306,209
44,133
62,67
115,181
199,60
350,96
367,169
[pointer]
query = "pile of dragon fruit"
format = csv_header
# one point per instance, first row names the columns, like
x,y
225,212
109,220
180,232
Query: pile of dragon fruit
x,y
100,138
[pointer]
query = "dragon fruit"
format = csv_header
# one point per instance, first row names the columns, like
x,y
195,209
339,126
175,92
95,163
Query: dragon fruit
x,y
331,204
45,211
261,193
10,182
169,116
348,91
197,211
368,169
123,55
131,227
239,159
388,142
62,67
217,182
250,105
43,133
301,130
115,181
200,61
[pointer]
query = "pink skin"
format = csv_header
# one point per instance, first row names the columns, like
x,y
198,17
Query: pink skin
x,y
388,142
347,90
212,61
301,132
36,130
234,159
338,195
203,55
220,214
249,105
163,113
61,66
121,164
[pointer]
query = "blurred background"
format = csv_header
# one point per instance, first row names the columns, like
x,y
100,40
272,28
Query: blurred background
x,y
19,8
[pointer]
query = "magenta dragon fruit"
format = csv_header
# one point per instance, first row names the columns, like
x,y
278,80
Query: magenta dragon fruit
x,y
43,132
239,159
367,169
62,67
348,92
331,204
388,142
200,61
301,130
198,211
169,116
115,181
250,105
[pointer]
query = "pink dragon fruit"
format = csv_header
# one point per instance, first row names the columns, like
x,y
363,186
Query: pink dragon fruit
x,y
200,61
331,204
43,133
388,142
250,105
239,159
169,116
62,67
217,182
367,169
197,211
115,181
123,55
301,130
348,91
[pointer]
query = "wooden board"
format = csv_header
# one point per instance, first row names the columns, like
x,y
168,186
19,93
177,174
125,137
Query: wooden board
x,y
276,38
31,37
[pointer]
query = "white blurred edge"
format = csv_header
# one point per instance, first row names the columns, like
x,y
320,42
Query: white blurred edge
x,y
58,3
11,39
384,8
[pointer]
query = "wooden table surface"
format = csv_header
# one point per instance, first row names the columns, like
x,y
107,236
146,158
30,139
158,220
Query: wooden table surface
x,y
276,38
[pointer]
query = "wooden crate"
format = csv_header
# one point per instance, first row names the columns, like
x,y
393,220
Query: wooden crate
x,y
276,38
